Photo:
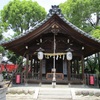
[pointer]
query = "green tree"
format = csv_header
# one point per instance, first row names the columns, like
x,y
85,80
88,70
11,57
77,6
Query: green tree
x,y
1,48
85,14
92,65
96,33
0,30
14,58
82,12
20,15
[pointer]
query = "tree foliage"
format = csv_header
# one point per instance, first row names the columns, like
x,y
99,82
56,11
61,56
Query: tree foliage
x,y
1,49
82,12
85,14
14,58
92,65
20,15
96,33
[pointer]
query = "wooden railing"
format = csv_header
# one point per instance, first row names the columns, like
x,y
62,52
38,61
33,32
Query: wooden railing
x,y
76,76
91,79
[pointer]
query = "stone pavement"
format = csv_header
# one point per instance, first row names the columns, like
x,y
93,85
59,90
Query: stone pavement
x,y
22,93
47,92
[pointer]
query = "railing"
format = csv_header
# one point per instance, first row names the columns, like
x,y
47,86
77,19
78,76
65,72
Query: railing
x,y
76,76
91,79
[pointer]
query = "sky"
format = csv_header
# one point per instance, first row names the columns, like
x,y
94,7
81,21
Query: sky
x,y
44,3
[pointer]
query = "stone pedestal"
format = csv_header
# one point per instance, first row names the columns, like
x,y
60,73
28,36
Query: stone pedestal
x,y
3,89
3,93
1,77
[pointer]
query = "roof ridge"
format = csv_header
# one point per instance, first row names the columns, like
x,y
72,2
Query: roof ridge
x,y
54,10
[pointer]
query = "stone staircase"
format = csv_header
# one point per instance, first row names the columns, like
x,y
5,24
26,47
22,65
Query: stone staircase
x,y
54,94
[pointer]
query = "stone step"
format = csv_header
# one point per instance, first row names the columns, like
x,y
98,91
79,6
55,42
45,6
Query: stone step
x,y
54,96
54,99
54,92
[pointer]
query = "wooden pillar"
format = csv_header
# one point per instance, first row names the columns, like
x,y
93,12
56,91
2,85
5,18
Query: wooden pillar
x,y
31,66
78,67
40,74
75,66
35,66
26,70
71,65
69,72
99,60
66,69
37,69
82,68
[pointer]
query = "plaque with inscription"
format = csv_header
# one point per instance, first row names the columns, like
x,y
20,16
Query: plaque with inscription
x,y
59,76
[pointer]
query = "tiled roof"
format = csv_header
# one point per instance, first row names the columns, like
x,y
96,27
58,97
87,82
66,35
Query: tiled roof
x,y
54,10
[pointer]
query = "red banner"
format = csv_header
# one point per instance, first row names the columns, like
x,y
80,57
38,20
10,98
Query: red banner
x,y
9,67
91,80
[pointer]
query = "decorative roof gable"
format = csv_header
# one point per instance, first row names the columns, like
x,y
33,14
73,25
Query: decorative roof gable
x,y
44,30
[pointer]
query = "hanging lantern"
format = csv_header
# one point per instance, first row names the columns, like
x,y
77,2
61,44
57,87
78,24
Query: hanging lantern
x,y
40,55
69,55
